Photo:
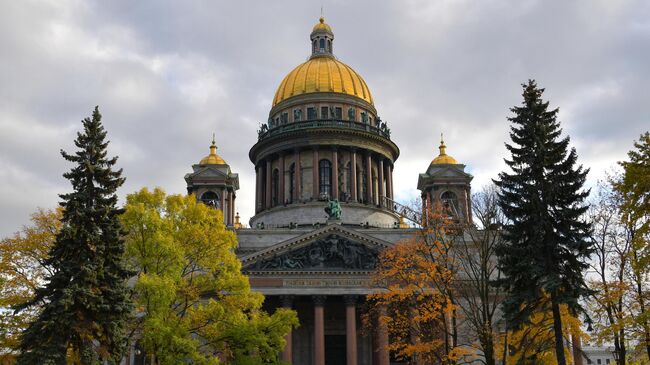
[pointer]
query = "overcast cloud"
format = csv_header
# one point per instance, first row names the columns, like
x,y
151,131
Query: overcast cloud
x,y
166,74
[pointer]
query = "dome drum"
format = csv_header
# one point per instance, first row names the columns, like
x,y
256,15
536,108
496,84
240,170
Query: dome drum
x,y
322,105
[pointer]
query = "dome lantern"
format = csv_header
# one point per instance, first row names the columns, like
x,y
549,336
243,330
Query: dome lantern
x,y
322,39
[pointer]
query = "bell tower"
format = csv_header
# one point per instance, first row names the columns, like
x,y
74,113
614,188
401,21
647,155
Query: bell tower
x,y
214,184
446,184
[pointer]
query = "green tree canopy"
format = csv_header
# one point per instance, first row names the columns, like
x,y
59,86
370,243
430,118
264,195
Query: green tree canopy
x,y
193,302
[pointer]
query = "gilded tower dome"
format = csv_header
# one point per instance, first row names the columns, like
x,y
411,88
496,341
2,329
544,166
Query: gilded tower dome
x,y
213,158
322,73
443,158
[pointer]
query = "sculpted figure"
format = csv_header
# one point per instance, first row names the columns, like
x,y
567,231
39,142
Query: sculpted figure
x,y
351,114
333,209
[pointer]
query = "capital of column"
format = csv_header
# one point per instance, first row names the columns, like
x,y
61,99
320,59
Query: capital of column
x,y
319,300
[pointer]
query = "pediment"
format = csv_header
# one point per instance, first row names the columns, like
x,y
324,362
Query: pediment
x,y
212,172
331,248
450,171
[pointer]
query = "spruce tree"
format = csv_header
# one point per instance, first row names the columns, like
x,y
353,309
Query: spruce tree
x,y
85,302
545,239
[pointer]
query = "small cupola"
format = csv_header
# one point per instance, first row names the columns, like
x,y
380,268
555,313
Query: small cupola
x,y
322,39
212,158
443,158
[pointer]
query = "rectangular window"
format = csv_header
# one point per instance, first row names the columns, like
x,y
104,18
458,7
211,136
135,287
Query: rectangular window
x,y
311,113
324,112
284,118
339,113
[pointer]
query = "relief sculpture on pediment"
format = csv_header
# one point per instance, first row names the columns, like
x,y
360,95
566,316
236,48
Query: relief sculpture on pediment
x,y
332,252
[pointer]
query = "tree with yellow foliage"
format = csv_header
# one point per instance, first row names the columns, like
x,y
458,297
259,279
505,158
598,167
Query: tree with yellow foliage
x,y
416,302
534,342
634,189
194,305
22,269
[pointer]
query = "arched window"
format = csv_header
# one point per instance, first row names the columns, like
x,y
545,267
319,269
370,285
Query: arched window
x,y
449,203
325,169
292,181
211,198
275,187
322,44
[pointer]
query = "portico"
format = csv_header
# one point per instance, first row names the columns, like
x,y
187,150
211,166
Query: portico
x,y
324,275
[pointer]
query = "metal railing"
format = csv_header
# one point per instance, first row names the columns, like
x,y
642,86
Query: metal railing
x,y
401,209
265,131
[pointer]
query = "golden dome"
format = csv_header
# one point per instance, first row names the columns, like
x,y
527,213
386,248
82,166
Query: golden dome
x,y
321,25
322,74
443,158
213,158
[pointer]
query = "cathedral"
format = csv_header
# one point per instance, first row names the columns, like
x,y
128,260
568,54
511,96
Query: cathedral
x,y
324,205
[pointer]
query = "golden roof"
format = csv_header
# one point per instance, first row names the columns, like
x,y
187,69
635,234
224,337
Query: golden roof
x,y
213,158
238,224
443,158
321,25
322,74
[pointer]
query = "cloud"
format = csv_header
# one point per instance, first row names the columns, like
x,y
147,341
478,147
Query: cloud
x,y
168,74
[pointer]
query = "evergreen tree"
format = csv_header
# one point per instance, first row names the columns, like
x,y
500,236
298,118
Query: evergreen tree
x,y
546,241
85,301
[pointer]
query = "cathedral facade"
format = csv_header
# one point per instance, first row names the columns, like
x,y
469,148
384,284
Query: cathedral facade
x,y
324,205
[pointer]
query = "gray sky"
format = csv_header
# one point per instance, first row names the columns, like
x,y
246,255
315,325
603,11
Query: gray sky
x,y
166,74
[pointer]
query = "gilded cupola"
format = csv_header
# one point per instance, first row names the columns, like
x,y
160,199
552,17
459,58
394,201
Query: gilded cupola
x,y
213,158
443,158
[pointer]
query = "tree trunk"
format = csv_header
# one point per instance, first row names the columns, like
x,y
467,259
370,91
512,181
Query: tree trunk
x,y
639,292
576,346
622,352
505,346
488,350
557,328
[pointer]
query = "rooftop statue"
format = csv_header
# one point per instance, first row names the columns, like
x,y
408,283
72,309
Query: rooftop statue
x,y
333,209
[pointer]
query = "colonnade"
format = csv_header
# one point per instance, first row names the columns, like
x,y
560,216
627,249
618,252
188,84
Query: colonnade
x,y
375,168
380,350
